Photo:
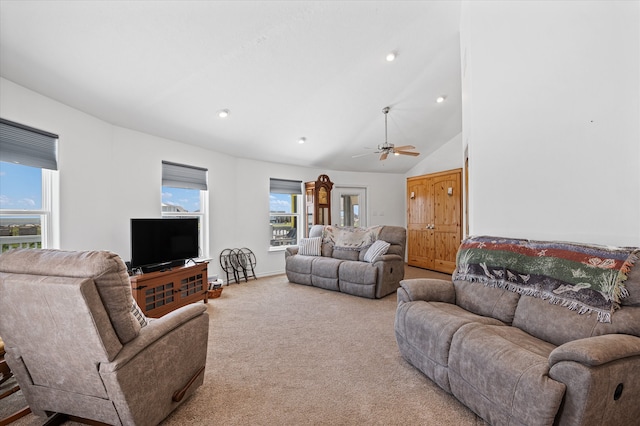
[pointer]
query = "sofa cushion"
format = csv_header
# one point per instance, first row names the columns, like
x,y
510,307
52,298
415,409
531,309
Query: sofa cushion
x,y
324,273
424,331
326,250
358,278
352,238
558,325
138,314
298,269
346,243
345,254
501,373
310,246
378,248
487,301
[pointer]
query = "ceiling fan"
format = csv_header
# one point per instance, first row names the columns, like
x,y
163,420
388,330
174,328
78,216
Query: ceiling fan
x,y
388,148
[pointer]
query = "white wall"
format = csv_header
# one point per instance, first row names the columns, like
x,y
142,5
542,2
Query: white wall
x,y
109,174
385,199
447,157
84,153
552,125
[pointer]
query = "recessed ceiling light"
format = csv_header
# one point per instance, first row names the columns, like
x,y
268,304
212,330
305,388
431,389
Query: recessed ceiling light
x,y
223,113
391,56
302,140
441,99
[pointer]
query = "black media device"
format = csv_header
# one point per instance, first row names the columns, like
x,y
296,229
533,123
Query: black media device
x,y
158,244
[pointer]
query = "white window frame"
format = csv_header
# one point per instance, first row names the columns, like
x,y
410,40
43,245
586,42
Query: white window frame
x,y
203,237
49,213
185,176
295,216
338,192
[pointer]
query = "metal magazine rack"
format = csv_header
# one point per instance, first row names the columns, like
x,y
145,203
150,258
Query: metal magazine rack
x,y
238,263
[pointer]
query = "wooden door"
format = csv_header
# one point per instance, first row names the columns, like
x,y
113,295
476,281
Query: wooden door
x,y
446,221
434,220
419,207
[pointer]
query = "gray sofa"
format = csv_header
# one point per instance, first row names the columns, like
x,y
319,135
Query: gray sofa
x,y
524,334
344,268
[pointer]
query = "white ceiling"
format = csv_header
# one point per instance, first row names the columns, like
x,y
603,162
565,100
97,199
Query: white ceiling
x,y
285,70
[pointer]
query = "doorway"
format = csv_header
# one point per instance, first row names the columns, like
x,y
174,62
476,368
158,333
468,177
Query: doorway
x,y
434,220
349,206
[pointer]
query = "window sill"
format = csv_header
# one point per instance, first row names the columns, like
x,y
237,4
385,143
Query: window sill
x,y
279,248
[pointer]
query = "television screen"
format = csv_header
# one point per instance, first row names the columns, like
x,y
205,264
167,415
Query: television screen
x,y
157,241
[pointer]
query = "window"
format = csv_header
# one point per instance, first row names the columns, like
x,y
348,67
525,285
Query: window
x,y
185,194
28,187
284,211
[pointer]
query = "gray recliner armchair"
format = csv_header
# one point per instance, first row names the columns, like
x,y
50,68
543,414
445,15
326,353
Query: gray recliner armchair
x,y
75,346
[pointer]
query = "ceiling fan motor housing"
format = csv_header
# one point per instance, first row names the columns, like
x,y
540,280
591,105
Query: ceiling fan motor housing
x,y
388,148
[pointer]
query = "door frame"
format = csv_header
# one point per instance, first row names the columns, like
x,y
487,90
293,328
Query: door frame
x,y
338,191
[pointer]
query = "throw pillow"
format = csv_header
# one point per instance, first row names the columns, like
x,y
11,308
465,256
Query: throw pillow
x,y
137,312
378,248
310,246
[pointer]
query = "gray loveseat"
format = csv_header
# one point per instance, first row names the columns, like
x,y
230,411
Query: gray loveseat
x,y
340,265
530,332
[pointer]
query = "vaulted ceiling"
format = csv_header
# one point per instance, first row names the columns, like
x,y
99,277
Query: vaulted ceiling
x,y
284,69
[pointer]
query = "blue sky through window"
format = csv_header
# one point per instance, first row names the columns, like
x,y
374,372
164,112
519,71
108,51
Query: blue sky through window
x,y
20,187
189,199
280,203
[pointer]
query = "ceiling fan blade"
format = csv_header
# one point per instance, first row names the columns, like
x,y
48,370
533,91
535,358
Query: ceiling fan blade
x,y
362,155
384,156
415,154
403,147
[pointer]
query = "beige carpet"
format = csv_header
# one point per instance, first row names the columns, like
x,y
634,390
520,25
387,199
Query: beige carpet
x,y
288,354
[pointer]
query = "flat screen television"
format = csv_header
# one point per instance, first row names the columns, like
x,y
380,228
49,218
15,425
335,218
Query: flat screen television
x,y
155,242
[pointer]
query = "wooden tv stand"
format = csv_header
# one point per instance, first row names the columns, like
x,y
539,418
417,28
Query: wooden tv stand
x,y
158,293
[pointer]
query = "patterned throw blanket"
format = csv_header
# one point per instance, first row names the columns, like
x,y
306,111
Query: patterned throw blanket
x,y
583,278
347,238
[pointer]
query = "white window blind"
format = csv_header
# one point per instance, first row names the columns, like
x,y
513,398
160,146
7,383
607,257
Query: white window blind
x,y
183,176
284,186
28,146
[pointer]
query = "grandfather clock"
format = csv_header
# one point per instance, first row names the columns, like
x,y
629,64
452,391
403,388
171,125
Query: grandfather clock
x,y
318,202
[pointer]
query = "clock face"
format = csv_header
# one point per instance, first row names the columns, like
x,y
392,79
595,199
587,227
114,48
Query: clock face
x,y
322,196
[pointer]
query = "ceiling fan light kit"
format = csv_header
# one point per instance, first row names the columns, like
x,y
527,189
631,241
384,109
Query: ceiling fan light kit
x,y
388,148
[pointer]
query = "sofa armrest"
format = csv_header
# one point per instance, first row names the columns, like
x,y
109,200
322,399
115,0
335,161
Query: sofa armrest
x,y
390,272
165,362
154,331
387,258
598,350
601,378
427,289
290,251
